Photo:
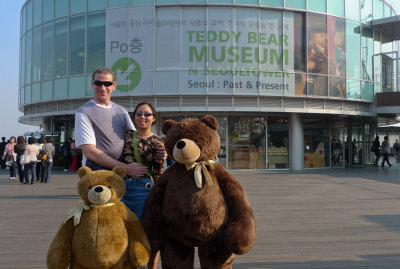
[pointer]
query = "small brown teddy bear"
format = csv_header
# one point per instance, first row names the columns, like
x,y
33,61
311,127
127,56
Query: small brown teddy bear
x,y
100,232
196,202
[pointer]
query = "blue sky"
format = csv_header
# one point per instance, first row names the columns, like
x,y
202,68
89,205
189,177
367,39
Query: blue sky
x,y
9,68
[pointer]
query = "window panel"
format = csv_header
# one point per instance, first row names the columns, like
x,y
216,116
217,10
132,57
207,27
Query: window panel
x,y
336,46
29,13
23,60
336,7
353,89
61,8
96,4
60,48
37,12
275,3
28,63
35,92
337,87
96,36
47,51
23,15
296,33
317,60
118,3
366,11
353,9
300,4
89,89
77,86
77,6
317,85
47,90
353,49
77,45
367,52
36,55
378,9
142,2
60,88
48,10
28,95
317,5
368,91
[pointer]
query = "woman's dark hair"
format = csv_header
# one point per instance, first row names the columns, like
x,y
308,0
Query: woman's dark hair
x,y
376,138
31,140
11,137
49,140
20,140
153,110
40,140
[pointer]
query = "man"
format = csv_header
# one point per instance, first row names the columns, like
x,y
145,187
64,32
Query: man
x,y
385,151
101,125
3,144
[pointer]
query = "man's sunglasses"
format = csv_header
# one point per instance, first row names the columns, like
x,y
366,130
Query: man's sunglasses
x,y
105,83
146,114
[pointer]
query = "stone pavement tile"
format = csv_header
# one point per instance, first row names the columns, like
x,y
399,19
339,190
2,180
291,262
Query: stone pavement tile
x,y
320,218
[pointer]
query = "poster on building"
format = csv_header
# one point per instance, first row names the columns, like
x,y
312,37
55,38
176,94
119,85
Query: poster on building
x,y
201,50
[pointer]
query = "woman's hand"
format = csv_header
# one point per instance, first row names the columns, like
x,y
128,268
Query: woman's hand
x,y
135,170
161,154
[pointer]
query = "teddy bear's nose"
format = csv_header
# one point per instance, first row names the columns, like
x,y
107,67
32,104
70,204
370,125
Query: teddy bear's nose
x,y
98,189
181,144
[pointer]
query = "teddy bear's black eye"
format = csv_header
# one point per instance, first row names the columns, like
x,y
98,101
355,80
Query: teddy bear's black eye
x,y
109,187
90,187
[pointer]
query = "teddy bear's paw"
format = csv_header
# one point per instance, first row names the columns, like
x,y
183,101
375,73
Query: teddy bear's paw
x,y
140,253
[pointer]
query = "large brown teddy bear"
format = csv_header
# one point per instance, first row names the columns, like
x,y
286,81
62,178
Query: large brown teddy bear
x,y
196,202
101,232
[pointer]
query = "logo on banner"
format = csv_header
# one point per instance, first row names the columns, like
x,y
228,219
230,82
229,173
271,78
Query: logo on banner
x,y
128,74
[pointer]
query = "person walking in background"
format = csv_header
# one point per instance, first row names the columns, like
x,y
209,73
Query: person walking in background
x,y
3,144
31,153
66,148
396,148
74,155
48,164
385,150
19,149
11,157
39,164
375,149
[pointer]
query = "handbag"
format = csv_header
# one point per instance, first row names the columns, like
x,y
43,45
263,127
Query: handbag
x,y
9,159
24,159
42,155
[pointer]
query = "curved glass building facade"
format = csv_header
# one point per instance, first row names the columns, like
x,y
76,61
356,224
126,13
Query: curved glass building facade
x,y
292,82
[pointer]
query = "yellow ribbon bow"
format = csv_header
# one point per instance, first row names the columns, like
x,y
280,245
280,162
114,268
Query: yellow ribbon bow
x,y
77,211
201,166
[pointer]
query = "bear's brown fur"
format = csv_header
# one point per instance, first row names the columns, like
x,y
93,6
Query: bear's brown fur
x,y
180,214
107,235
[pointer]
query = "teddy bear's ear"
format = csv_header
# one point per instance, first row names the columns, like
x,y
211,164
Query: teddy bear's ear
x,y
83,171
210,121
119,170
167,125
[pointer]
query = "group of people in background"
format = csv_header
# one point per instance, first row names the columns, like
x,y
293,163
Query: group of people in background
x,y
384,148
31,161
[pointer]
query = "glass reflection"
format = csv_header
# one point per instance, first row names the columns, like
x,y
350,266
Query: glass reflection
x,y
278,142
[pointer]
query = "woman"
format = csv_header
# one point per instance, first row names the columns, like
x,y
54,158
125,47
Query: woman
x,y
12,162
375,148
19,149
385,150
147,145
39,164
48,164
74,155
31,153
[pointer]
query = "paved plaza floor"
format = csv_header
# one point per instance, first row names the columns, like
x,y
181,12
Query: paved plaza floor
x,y
321,218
